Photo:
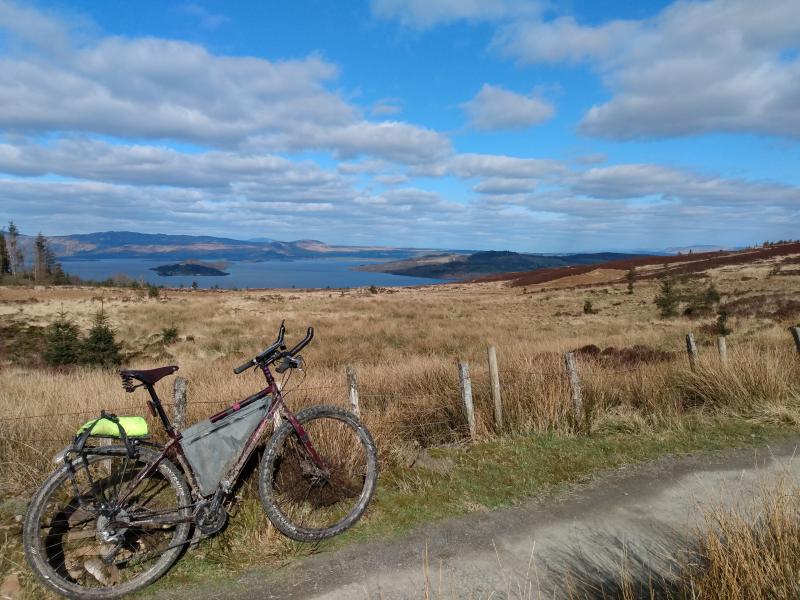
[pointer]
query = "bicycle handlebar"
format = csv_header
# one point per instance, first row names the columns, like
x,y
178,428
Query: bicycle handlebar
x,y
243,367
270,354
302,344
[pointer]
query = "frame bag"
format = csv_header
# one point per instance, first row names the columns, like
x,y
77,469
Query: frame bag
x,y
213,448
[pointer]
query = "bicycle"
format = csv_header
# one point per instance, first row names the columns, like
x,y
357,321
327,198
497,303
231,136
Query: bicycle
x,y
111,519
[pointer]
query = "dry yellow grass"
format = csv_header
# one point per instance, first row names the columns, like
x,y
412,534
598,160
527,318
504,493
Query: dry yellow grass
x,y
404,344
749,554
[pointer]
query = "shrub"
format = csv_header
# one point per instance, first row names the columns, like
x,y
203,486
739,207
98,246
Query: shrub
x,y
100,347
62,342
152,291
587,307
169,335
630,276
667,299
711,295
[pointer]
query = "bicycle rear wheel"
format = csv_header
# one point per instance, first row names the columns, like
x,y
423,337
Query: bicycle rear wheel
x,y
302,501
84,540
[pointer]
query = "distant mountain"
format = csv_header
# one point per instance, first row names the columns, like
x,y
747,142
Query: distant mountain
x,y
129,244
697,248
452,266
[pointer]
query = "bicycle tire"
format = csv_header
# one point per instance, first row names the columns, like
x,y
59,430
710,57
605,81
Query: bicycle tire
x,y
43,559
282,467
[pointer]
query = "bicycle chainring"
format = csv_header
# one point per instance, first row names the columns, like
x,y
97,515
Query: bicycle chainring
x,y
210,521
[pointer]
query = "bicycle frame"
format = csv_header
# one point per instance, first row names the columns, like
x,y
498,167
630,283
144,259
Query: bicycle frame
x,y
233,474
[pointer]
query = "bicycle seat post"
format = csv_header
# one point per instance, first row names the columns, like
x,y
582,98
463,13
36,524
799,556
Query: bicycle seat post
x,y
155,403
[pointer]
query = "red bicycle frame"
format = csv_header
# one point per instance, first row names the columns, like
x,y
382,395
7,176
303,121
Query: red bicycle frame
x,y
226,484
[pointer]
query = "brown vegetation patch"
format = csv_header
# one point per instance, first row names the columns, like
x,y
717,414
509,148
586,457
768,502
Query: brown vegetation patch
x,y
778,307
671,265
22,344
632,355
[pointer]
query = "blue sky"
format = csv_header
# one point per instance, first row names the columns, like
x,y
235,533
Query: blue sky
x,y
508,124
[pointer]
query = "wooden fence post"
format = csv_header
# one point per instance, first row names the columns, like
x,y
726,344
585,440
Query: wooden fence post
x,y
352,384
796,335
494,377
466,396
691,350
574,385
722,347
179,397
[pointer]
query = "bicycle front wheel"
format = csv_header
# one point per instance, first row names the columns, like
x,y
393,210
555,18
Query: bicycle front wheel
x,y
102,533
305,502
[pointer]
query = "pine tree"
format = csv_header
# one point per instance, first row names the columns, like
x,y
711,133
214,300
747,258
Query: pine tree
x,y
667,299
62,342
14,252
631,277
711,295
5,262
100,347
40,260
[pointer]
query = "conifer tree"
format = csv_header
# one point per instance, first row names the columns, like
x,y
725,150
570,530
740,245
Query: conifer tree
x,y
14,252
100,347
40,259
630,276
667,299
62,342
5,262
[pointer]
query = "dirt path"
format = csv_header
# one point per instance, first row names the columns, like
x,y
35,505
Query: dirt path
x,y
649,510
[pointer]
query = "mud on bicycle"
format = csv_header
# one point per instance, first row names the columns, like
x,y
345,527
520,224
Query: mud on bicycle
x,y
113,517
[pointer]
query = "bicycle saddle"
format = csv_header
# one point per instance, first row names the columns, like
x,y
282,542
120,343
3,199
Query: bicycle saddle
x,y
148,376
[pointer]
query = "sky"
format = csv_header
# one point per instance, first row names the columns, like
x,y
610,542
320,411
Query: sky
x,y
534,126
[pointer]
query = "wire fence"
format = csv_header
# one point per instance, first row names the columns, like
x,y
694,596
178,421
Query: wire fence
x,y
606,364
454,390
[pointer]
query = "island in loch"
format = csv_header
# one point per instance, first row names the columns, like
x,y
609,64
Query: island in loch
x,y
189,268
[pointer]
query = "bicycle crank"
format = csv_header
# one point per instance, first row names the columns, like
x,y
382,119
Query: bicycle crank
x,y
210,521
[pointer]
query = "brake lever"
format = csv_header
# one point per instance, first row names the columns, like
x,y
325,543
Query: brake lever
x,y
290,362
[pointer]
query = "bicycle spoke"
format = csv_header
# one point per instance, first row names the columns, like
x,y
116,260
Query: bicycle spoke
x,y
90,540
307,496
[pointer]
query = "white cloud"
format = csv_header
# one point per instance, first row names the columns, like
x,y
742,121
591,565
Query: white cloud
x,y
386,107
494,165
205,18
561,39
495,108
62,91
638,180
696,67
608,207
423,14
172,90
82,158
500,186
391,179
